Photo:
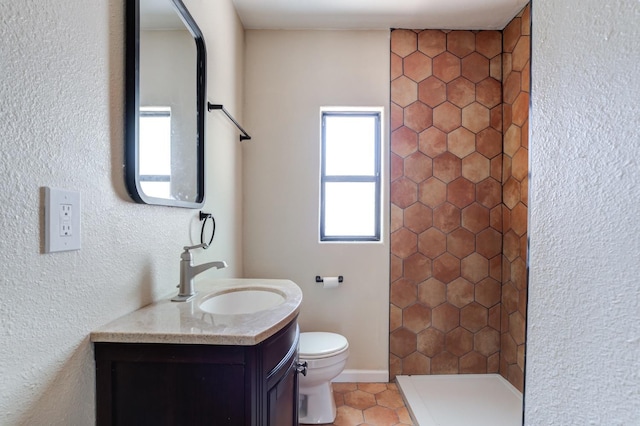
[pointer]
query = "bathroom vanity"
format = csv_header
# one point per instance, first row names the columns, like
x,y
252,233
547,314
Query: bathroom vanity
x,y
180,364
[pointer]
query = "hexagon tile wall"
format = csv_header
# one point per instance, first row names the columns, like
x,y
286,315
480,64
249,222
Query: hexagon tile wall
x,y
458,194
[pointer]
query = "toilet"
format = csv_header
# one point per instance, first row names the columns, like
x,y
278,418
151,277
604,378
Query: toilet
x,y
326,355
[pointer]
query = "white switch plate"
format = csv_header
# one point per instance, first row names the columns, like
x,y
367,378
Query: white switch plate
x,y
61,220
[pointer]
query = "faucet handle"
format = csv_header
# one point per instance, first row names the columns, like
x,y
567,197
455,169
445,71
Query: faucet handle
x,y
203,245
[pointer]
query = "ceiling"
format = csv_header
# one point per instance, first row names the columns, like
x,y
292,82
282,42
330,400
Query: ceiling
x,y
377,14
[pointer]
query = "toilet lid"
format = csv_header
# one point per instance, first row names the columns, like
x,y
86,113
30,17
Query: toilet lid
x,y
318,344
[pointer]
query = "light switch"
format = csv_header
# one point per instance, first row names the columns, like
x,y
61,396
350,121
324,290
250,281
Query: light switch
x,y
62,220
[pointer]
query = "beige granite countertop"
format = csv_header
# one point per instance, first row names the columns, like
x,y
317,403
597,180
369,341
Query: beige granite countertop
x,y
184,323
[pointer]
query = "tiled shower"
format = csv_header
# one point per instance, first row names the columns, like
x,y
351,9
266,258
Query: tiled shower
x,y
459,183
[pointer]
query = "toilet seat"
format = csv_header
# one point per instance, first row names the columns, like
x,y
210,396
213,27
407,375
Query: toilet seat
x,y
319,345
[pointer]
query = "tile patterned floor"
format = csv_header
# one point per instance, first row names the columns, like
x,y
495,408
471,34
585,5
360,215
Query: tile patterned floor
x,y
369,404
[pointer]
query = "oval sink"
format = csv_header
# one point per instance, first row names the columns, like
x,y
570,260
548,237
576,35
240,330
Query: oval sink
x,y
241,301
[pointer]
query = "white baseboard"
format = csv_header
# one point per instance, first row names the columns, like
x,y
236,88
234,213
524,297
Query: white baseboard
x,y
363,376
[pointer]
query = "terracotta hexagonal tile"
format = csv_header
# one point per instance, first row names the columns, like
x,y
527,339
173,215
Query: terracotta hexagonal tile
x,y
520,112
380,416
444,363
506,64
395,369
397,166
404,243
461,92
493,363
431,342
495,218
404,141
512,140
489,243
461,43
403,42
475,117
432,91
404,192
461,243
489,142
475,218
526,21
488,192
510,35
445,317
509,298
516,327
487,341
494,317
489,92
519,274
506,166
524,190
459,292
508,349
519,219
488,292
418,217
417,66
474,317
474,267
521,53
396,66
495,67
397,220
418,167
432,142
390,398
496,117
473,363
511,244
403,293
461,142
359,399
446,268
395,268
395,317
475,67
458,341
415,363
431,292
495,268
446,67
418,116
511,192
520,164
416,317
447,167
525,78
397,116
525,134
402,342
446,117
417,267
476,167
372,388
432,243
432,42
496,167
511,87
404,91
348,416
461,192
489,43
432,192
446,217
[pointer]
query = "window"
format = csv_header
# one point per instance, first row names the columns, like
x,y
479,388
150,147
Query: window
x,y
350,175
155,151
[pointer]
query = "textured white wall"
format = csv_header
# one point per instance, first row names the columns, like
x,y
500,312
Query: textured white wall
x,y
289,76
61,115
583,346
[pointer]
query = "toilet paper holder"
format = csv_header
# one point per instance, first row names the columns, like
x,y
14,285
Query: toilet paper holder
x,y
319,279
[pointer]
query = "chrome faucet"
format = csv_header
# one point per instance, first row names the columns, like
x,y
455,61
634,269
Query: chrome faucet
x,y
188,272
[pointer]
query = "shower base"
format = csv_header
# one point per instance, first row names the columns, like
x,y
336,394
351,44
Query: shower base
x,y
461,400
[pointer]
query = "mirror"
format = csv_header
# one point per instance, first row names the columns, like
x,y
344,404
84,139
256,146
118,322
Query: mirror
x,y
165,104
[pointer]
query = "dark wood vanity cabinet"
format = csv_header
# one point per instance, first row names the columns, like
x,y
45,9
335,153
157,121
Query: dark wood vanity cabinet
x,y
175,384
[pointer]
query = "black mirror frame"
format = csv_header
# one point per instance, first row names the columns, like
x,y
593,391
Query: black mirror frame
x,y
132,106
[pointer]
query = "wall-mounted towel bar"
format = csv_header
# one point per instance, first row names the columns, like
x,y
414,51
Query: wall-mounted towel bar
x,y
244,135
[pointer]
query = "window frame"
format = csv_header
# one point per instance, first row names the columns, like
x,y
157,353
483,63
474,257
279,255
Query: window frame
x,y
375,178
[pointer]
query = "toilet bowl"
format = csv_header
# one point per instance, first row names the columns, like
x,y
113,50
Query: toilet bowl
x,y
326,355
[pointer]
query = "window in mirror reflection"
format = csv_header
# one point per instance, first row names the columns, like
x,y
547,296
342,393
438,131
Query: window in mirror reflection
x,y
155,151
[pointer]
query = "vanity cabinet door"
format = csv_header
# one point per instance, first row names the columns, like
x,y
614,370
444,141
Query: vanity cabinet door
x,y
282,397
